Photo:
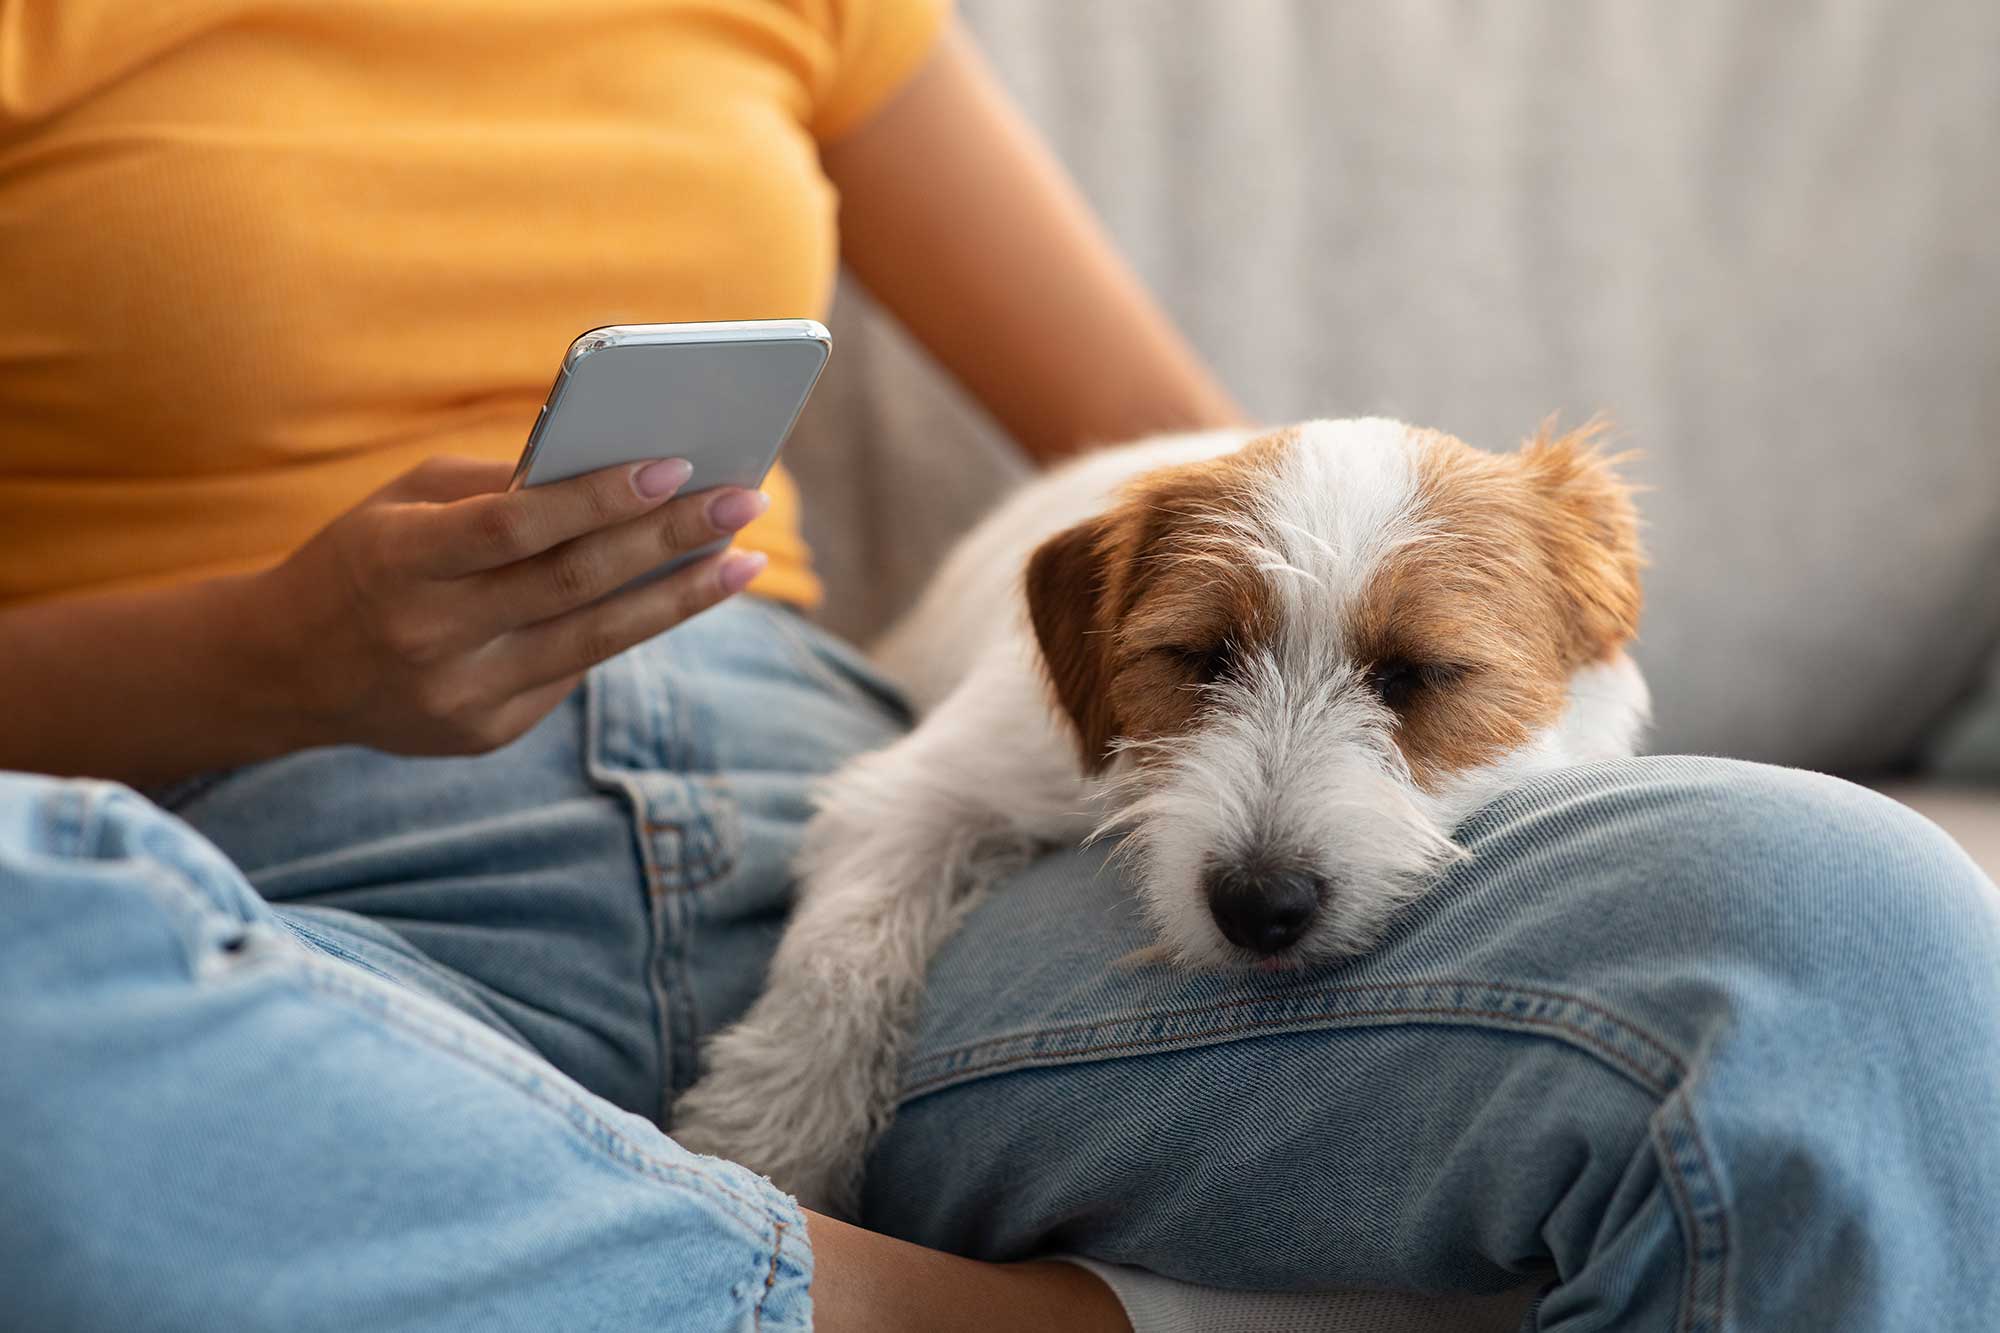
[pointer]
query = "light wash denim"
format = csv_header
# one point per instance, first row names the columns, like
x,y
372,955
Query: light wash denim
x,y
352,1041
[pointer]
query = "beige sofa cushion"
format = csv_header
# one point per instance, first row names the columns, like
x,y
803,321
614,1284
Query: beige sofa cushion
x,y
1760,236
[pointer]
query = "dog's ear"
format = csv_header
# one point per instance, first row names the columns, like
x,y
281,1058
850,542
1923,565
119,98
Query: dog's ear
x,y
1067,585
1590,529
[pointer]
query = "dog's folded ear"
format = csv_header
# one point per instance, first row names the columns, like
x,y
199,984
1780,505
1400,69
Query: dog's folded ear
x,y
1590,529
1067,584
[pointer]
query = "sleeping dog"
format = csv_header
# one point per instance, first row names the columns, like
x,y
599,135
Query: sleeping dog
x,y
1281,665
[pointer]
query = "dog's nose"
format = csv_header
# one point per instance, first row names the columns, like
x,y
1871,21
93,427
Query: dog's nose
x,y
1262,910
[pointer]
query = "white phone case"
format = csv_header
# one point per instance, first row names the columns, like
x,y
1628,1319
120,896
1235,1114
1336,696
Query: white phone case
x,y
723,396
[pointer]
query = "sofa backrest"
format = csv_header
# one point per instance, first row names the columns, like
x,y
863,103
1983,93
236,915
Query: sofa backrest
x,y
1759,237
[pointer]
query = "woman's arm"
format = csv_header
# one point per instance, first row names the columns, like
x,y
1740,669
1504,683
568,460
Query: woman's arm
x,y
442,615
865,1283
962,223
145,686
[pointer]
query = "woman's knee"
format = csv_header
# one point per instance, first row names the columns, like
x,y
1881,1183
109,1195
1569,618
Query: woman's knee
x,y
1616,934
1818,968
87,865
1689,863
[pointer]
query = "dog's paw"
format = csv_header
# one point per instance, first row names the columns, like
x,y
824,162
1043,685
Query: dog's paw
x,y
766,1105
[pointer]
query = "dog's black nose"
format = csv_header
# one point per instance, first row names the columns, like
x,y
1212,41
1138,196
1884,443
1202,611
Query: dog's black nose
x,y
1263,909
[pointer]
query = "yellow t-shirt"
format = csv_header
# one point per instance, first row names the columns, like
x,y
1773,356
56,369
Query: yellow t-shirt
x,y
256,259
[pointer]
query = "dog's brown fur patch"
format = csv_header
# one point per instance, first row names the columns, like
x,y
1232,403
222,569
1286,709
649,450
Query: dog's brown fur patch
x,y
1528,570
1113,598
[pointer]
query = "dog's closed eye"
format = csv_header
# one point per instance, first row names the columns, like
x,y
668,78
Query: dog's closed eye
x,y
1202,664
1400,683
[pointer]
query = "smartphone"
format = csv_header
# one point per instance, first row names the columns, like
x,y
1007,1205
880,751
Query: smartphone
x,y
722,395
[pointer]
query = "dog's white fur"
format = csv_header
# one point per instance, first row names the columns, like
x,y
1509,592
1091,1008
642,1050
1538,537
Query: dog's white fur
x,y
1291,752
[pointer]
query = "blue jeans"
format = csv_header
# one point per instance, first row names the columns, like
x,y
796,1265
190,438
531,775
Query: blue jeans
x,y
350,1040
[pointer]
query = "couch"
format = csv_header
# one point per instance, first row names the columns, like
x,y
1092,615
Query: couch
x,y
1758,237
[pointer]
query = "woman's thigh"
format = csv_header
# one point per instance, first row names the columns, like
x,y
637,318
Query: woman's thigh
x,y
605,890
206,1123
1667,1010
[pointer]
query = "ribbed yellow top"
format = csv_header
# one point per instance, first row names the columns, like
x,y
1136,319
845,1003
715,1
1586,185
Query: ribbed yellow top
x,y
256,259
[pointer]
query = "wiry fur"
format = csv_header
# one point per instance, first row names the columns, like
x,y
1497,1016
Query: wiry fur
x,y
1308,555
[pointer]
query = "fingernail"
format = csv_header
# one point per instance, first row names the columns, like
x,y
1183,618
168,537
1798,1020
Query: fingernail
x,y
662,478
738,568
733,509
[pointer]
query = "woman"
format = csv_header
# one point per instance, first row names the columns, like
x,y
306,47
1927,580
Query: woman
x,y
483,858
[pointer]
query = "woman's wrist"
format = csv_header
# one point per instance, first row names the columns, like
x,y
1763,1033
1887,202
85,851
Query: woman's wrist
x,y
865,1281
260,641
153,685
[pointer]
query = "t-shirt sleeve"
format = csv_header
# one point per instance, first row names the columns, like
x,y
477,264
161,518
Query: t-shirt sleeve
x,y
877,46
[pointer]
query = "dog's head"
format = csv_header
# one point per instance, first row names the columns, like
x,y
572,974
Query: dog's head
x,y
1308,658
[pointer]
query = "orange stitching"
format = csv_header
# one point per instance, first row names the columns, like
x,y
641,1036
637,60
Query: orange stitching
x,y
1634,1030
770,1278
1678,1187
712,869
1721,1213
1612,1053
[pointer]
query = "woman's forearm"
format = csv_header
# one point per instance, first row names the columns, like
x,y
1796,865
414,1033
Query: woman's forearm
x,y
145,686
874,1284
444,614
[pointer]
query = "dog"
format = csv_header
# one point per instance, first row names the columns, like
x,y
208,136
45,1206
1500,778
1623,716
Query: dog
x,y
1283,665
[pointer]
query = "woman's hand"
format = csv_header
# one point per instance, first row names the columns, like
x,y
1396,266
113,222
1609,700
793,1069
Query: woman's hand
x,y
442,615
447,615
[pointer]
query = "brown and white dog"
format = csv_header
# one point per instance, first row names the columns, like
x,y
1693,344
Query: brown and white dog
x,y
1283,665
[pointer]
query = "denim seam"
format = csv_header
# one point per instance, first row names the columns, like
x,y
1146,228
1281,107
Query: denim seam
x,y
681,1025
1693,1187
1695,1190
714,836
334,949
675,1022
1658,1074
770,1276
467,1000
1573,1035
466,1047
1666,1053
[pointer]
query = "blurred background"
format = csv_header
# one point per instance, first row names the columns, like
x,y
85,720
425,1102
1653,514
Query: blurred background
x,y
1759,237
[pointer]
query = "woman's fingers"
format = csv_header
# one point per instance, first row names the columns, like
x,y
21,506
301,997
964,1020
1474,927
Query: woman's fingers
x,y
586,568
573,643
488,531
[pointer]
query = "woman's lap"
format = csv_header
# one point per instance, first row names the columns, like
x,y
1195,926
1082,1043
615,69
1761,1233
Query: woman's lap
x,y
205,1122
1670,1010
1558,1056
605,890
